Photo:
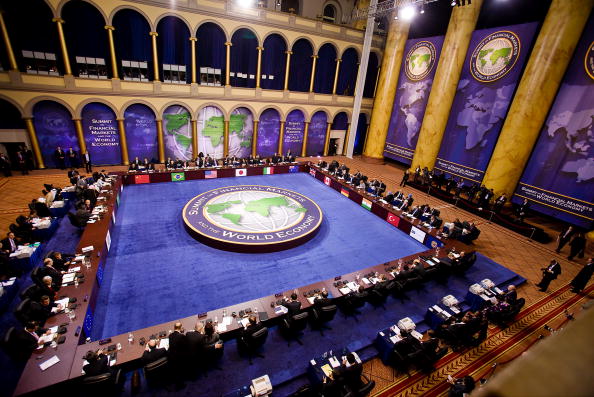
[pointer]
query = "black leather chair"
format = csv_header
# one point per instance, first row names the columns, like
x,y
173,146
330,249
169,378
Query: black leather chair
x,y
351,305
74,221
323,315
377,298
156,373
293,327
21,311
37,275
31,292
366,387
103,384
254,342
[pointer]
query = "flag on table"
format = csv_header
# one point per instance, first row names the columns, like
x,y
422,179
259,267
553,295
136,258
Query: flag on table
x,y
312,172
141,179
293,169
210,174
366,204
178,176
344,192
393,219
241,172
327,180
267,170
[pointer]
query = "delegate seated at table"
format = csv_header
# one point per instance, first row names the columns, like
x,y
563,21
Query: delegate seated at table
x,y
98,363
152,353
28,339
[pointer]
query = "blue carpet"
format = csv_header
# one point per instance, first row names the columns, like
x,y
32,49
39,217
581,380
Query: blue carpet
x,y
161,272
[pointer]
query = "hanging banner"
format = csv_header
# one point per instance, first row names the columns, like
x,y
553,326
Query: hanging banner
x,y
101,133
241,131
316,134
268,132
294,128
177,131
414,86
211,131
54,128
559,176
141,132
492,70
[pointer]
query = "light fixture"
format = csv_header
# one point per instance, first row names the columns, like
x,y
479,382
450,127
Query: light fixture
x,y
422,10
245,3
453,3
408,13
396,15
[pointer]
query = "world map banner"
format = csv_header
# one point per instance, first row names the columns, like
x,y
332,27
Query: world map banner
x,y
54,127
268,132
316,135
177,132
491,72
294,128
141,132
101,133
211,131
241,132
414,85
559,176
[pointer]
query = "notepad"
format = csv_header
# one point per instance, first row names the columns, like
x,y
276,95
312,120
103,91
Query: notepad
x,y
345,290
221,327
311,300
164,343
48,363
78,258
88,249
395,339
334,362
327,369
74,269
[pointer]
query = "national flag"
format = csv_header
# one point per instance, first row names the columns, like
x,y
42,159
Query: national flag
x,y
312,172
141,179
293,169
366,204
267,170
345,192
393,219
178,176
327,180
210,174
241,172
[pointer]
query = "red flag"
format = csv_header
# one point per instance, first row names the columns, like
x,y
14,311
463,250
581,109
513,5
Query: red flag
x,y
393,219
142,179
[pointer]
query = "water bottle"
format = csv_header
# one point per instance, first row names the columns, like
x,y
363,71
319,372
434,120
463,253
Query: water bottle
x,y
130,338
76,282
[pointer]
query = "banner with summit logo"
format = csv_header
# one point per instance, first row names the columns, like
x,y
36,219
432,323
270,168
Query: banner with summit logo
x,y
559,176
491,72
414,85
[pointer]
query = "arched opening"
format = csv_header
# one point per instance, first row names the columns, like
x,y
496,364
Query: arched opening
x,y
294,129
211,131
12,122
102,137
177,132
316,135
361,134
338,132
241,132
330,13
54,128
34,39
133,45
244,58
173,44
300,71
291,6
347,76
371,76
268,132
141,132
274,61
325,69
210,51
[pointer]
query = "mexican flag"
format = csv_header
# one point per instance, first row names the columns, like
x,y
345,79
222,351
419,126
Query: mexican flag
x,y
178,176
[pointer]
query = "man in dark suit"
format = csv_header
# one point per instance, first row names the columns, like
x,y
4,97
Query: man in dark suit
x,y
72,158
22,162
195,340
9,244
26,339
178,353
98,363
511,295
323,300
349,373
152,353
48,270
82,215
42,310
564,238
60,157
549,273
578,246
581,279
293,305
252,327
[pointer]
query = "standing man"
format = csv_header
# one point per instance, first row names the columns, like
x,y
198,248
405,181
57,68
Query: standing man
x,y
405,177
60,157
500,202
549,273
29,158
72,158
581,279
578,246
5,165
87,161
564,238
22,161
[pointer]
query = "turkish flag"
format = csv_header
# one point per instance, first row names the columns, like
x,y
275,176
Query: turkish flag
x,y
393,219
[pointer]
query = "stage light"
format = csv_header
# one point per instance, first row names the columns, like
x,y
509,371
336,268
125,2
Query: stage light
x,y
396,15
408,13
453,3
422,10
245,3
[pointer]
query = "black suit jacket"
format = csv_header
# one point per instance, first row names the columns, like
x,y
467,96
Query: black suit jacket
x,y
293,306
6,245
178,346
321,302
251,329
195,342
38,312
24,341
150,356
98,366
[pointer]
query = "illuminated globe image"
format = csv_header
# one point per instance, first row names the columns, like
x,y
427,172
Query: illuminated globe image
x,y
494,56
254,211
419,61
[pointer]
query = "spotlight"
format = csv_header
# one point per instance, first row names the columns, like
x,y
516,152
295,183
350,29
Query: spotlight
x,y
453,3
408,13
396,16
244,3
422,10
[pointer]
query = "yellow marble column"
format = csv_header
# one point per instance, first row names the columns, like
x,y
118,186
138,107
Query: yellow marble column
x,y
377,76
346,139
228,63
386,89
226,139
160,140
123,142
195,138
460,28
338,62
34,142
304,144
312,77
281,137
193,54
287,69
9,52
259,66
112,52
155,57
80,135
255,138
63,47
366,136
327,140
544,72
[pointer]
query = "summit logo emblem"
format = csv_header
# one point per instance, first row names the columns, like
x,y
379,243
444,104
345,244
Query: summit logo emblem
x,y
495,56
420,60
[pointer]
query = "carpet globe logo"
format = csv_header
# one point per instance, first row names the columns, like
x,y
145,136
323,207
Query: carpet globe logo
x,y
589,61
495,56
420,60
239,217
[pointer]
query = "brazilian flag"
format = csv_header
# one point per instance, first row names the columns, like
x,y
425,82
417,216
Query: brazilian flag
x,y
178,176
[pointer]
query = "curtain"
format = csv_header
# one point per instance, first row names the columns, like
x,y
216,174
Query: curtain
x,y
325,69
132,39
340,121
244,58
210,47
347,76
371,76
361,133
300,72
274,60
173,44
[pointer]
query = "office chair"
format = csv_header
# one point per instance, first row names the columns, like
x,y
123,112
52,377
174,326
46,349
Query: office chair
x,y
254,342
366,387
323,315
21,311
156,373
294,326
31,292
37,276
102,384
